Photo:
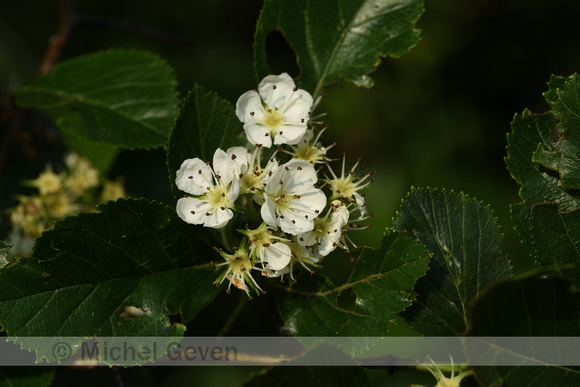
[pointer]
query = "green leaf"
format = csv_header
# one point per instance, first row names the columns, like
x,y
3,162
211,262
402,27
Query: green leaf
x,y
26,376
556,238
205,122
117,97
530,306
535,160
567,110
338,39
539,185
85,275
464,237
382,281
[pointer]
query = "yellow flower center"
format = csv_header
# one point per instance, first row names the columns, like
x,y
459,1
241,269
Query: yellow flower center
x,y
240,265
343,186
217,197
250,181
273,119
283,202
320,227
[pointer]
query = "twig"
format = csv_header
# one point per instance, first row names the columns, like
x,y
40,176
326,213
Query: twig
x,y
57,41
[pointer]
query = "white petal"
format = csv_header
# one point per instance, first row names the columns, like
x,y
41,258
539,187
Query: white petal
x,y
258,135
294,224
340,215
193,210
249,103
275,90
310,203
360,204
240,157
299,175
194,176
307,239
289,134
327,246
298,107
219,218
224,167
268,212
234,191
277,255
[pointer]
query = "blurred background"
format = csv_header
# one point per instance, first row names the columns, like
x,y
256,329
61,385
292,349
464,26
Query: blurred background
x,y
437,117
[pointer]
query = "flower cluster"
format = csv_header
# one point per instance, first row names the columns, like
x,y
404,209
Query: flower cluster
x,y
59,195
293,217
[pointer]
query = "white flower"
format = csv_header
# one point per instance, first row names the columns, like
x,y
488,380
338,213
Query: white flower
x,y
327,232
291,200
268,248
277,110
216,192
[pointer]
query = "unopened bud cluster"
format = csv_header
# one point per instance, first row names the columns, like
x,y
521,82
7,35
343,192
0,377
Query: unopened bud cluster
x,y
298,213
59,195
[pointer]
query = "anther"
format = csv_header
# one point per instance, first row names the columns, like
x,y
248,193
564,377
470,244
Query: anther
x,y
190,177
294,89
252,113
192,212
234,157
274,87
199,171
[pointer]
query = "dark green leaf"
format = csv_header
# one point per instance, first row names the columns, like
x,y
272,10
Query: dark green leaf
x,y
205,122
567,110
539,185
464,237
556,238
26,376
117,97
338,39
382,282
86,272
527,307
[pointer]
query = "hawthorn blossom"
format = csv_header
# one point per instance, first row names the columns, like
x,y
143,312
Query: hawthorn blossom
x,y
310,149
348,187
276,111
327,232
238,271
291,200
215,192
271,250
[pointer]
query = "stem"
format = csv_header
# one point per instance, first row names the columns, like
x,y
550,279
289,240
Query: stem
x,y
56,42
234,315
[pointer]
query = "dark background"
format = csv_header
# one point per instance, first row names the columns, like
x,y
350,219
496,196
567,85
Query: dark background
x,y
437,117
